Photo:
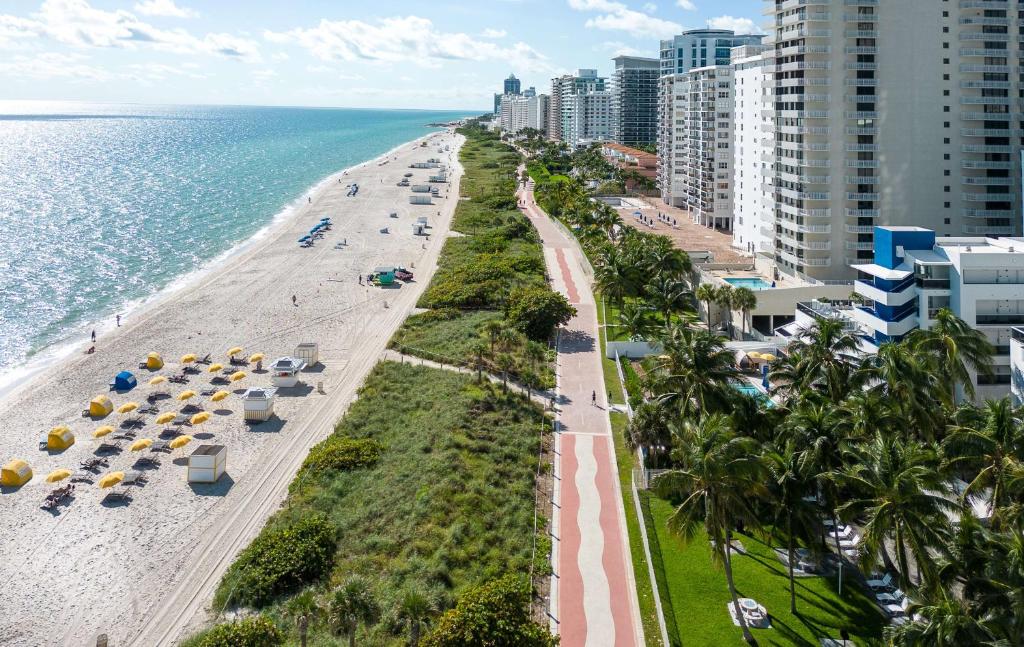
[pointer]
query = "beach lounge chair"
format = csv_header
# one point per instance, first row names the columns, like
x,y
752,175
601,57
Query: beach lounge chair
x,y
123,435
160,446
852,542
207,392
117,496
205,360
884,583
149,410
93,464
896,597
108,448
134,477
82,476
147,462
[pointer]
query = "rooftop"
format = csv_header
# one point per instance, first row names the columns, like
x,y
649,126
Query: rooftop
x,y
685,235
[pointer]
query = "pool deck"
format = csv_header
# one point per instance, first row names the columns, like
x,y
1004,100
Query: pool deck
x,y
686,235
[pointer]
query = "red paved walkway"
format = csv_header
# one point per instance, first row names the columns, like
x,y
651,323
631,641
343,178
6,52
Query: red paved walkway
x,y
593,596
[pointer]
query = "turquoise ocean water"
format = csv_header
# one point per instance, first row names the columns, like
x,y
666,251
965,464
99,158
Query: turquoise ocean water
x,y
103,205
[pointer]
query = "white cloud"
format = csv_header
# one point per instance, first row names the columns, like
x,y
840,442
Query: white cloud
x,y
408,39
618,48
51,65
79,24
738,25
161,71
650,7
494,33
164,8
686,4
616,16
279,56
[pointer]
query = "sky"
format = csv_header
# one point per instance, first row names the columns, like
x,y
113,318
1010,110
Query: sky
x,y
354,53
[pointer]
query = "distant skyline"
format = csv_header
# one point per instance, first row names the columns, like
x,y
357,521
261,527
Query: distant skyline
x,y
361,54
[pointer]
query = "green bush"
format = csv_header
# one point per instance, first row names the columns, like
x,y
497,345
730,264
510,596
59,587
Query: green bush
x,y
340,453
634,389
280,560
496,614
257,631
537,311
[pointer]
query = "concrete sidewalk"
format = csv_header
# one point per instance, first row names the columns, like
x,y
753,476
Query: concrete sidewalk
x,y
593,594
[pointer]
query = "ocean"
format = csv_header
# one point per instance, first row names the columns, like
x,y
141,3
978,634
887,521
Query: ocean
x,y
104,205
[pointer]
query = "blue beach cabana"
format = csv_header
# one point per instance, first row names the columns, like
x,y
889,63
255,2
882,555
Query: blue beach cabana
x,y
124,381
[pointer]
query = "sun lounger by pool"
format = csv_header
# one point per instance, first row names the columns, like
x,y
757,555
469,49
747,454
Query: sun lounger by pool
x,y
885,582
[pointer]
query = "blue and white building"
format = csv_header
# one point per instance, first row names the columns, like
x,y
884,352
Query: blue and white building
x,y
914,274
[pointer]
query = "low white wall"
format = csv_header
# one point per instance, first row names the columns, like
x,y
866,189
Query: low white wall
x,y
632,349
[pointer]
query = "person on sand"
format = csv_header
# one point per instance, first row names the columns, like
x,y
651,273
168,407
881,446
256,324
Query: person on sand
x,y
118,321
310,200
94,336
294,300
92,349
593,398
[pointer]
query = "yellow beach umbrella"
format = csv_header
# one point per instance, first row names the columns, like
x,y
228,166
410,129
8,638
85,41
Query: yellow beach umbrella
x,y
165,418
180,441
256,357
159,379
755,355
234,351
237,375
188,359
105,430
185,395
220,395
214,368
768,357
110,479
128,407
140,444
200,418
58,475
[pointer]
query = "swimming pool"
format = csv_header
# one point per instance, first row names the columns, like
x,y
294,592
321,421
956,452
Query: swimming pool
x,y
752,284
749,389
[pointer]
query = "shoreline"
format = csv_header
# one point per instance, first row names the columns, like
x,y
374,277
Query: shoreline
x,y
20,376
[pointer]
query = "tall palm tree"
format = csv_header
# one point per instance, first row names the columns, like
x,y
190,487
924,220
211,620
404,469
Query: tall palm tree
x,y
896,487
723,297
479,351
708,295
956,348
946,621
635,318
351,605
826,362
505,363
744,300
661,257
693,370
492,329
898,373
615,278
789,486
995,452
718,478
414,608
668,295
650,429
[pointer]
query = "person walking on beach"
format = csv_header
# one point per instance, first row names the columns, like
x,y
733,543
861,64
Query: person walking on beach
x,y
310,199
118,321
94,336
294,301
360,279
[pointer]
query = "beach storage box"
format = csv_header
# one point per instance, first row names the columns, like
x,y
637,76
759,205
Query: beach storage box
x,y
15,473
417,229
123,381
59,439
207,463
284,371
154,362
258,404
309,352
100,406
421,188
420,199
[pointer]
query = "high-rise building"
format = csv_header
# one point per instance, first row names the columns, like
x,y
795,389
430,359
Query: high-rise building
x,y
587,118
696,160
530,92
512,84
702,48
892,112
537,112
514,113
753,151
634,87
554,129
497,103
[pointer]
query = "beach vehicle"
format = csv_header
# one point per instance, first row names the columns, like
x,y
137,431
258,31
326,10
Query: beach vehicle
x,y
403,274
207,463
384,275
284,371
393,214
407,175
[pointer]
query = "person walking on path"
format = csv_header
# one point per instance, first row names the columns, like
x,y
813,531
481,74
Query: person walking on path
x,y
593,398
294,301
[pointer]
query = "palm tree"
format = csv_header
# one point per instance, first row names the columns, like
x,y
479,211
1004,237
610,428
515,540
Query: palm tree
x,y
635,319
708,295
824,360
956,348
479,350
723,297
744,300
946,621
994,452
718,478
789,487
492,329
505,364
509,338
896,487
661,257
899,375
414,608
649,429
613,276
693,370
668,295
350,605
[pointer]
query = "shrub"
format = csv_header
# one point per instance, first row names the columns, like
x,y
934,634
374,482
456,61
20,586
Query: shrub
x,y
341,453
257,631
282,559
634,389
537,311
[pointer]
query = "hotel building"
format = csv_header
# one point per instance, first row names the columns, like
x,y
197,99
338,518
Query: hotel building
x,y
753,154
634,88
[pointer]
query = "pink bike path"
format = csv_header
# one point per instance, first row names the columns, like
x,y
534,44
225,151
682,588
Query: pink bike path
x,y
593,595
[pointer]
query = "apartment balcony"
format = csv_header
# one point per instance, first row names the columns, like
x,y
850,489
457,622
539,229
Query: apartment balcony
x,y
988,132
906,322
986,53
985,101
862,197
794,66
793,194
988,231
983,4
861,50
860,179
860,17
897,295
860,229
985,165
985,36
985,21
861,33
988,181
862,83
861,114
986,85
987,213
804,229
861,163
853,130
863,213
859,245
805,261
867,67
862,148
986,148
985,69
989,197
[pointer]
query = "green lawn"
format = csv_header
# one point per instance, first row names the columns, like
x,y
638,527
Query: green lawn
x,y
449,504
694,594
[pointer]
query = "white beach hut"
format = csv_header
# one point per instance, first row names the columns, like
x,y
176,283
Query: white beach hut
x,y
284,371
207,463
258,404
309,352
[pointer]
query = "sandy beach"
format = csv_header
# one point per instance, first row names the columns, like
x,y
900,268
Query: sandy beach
x,y
144,572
